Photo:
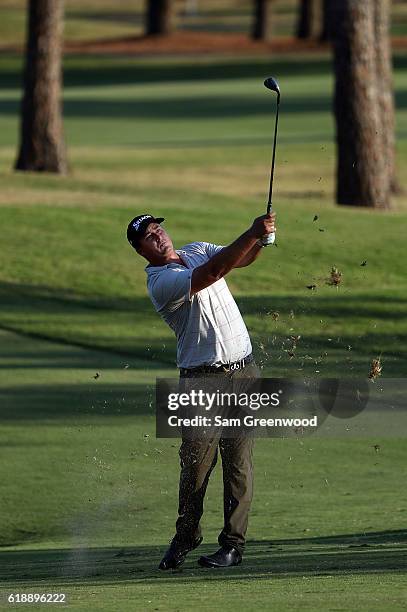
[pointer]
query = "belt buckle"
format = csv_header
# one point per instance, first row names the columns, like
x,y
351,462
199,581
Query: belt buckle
x,y
238,365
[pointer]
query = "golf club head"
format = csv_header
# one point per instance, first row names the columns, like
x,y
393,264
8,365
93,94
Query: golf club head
x,y
272,84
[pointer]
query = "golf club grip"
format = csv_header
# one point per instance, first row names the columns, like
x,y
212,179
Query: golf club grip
x,y
269,239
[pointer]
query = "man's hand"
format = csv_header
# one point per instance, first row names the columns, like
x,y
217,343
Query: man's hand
x,y
264,225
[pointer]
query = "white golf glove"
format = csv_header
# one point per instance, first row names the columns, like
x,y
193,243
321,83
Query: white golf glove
x,y
267,240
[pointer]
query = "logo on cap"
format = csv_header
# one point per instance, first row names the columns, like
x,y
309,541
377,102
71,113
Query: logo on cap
x,y
137,223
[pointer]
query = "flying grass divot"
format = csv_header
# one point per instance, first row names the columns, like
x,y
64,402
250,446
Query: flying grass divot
x,y
335,277
375,369
291,350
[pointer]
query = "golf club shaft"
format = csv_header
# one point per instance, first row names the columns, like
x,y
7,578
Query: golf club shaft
x,y
269,203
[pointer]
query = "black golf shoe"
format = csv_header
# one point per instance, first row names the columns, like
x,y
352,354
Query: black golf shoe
x,y
224,557
175,555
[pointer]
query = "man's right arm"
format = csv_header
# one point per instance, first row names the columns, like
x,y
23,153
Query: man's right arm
x,y
228,258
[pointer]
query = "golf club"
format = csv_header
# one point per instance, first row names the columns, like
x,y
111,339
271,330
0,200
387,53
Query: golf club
x,y
272,84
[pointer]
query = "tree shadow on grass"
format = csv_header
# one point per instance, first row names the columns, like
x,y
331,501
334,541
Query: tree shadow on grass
x,y
106,324
94,71
189,107
24,298
333,555
65,403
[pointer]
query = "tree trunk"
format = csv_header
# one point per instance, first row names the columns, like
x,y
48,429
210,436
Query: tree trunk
x,y
305,17
385,87
326,20
42,146
362,172
160,17
263,20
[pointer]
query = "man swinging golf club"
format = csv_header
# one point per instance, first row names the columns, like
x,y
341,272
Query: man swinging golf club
x,y
188,289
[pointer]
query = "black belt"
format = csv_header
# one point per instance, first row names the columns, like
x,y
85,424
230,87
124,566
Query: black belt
x,y
224,367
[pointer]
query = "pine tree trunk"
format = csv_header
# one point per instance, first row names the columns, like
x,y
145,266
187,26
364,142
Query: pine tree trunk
x,y
263,20
326,20
385,87
305,17
42,146
362,172
160,17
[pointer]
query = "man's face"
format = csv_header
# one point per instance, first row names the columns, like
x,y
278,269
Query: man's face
x,y
156,243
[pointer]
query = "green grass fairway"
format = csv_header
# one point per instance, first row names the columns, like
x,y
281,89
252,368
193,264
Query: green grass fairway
x,y
88,494
91,499
192,141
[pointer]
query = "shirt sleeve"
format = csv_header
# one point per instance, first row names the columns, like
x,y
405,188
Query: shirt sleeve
x,y
171,289
211,249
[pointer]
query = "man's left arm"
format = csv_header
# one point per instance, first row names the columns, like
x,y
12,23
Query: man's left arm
x,y
250,257
247,259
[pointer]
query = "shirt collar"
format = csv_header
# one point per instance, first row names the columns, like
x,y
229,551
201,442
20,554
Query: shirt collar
x,y
151,269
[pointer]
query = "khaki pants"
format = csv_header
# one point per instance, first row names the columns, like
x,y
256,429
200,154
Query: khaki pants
x,y
198,457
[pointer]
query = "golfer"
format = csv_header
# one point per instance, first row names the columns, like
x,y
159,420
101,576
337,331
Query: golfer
x,y
188,290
